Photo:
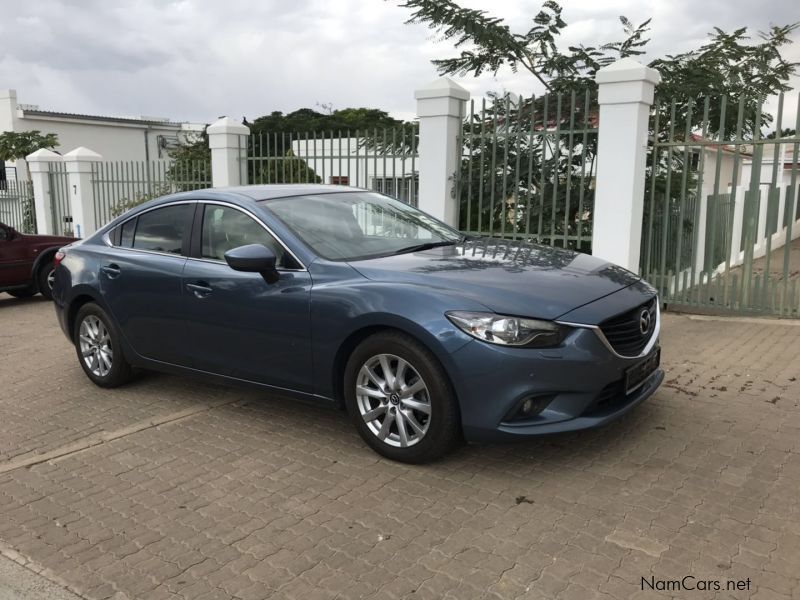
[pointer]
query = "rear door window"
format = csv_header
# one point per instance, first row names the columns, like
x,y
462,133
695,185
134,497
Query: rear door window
x,y
163,229
126,234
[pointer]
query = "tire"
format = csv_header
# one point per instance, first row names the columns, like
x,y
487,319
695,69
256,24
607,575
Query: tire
x,y
23,293
94,331
44,279
421,398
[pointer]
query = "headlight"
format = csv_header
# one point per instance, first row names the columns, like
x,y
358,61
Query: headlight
x,y
508,331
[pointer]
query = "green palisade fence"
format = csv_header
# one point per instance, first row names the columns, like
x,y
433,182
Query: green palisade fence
x,y
528,168
383,160
721,215
119,185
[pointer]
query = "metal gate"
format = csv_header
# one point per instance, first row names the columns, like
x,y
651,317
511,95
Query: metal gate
x,y
722,220
60,206
17,208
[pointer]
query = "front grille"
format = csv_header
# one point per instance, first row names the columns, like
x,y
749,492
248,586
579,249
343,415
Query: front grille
x,y
624,331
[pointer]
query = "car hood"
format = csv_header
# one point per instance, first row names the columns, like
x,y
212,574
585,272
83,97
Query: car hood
x,y
505,276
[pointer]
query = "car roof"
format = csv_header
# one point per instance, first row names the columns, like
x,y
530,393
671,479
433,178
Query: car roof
x,y
285,190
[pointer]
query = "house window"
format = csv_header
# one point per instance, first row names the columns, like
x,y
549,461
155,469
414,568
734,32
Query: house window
x,y
340,180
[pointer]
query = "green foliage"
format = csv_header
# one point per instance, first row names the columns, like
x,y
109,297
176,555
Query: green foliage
x,y
307,120
786,132
196,150
191,165
727,65
490,44
16,145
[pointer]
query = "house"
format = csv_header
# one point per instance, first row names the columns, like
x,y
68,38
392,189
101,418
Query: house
x,y
114,138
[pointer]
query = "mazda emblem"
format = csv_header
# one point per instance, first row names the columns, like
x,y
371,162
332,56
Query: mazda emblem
x,y
644,322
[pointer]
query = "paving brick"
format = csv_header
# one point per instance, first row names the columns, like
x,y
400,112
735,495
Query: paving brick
x,y
266,498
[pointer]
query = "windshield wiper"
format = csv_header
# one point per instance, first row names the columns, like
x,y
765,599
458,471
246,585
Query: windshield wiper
x,y
421,247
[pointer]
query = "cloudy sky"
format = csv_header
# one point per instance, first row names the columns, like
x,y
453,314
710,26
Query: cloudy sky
x,y
200,59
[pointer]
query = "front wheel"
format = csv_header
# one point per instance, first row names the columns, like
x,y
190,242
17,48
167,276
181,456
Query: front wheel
x,y
97,344
400,399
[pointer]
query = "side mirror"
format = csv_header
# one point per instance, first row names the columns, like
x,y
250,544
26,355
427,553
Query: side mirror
x,y
253,258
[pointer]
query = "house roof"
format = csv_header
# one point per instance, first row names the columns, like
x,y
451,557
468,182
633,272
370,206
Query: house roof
x,y
28,112
727,148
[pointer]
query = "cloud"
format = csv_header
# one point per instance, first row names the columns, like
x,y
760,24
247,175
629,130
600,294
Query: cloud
x,y
199,59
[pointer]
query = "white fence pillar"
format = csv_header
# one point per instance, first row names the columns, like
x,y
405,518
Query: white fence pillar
x,y
440,108
228,142
39,166
626,90
79,173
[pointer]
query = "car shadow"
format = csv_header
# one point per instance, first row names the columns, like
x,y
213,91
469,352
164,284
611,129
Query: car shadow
x,y
325,430
8,301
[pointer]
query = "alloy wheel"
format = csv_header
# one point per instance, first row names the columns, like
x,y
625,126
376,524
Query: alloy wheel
x,y
393,400
51,278
95,343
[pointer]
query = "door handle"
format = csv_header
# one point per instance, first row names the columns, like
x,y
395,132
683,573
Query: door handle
x,y
201,289
111,271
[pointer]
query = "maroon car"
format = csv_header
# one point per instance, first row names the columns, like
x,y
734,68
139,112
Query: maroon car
x,y
26,262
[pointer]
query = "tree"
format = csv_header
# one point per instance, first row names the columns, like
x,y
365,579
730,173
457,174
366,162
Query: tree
x,y
492,45
728,66
16,145
307,120
786,132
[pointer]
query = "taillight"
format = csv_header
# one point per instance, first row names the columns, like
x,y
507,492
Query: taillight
x,y
59,256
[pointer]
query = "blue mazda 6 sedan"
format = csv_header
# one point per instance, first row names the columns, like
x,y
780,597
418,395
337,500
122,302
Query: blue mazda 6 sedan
x,y
349,297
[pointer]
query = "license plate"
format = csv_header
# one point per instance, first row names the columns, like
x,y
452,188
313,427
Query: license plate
x,y
638,373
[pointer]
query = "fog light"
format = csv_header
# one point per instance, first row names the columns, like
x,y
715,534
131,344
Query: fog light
x,y
529,407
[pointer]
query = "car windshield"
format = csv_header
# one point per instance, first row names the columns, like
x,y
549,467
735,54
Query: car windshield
x,y
360,225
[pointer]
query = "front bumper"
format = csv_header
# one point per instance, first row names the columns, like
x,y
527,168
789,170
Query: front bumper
x,y
583,377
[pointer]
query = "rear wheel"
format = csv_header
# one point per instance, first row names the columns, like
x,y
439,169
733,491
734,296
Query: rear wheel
x,y
400,399
97,344
45,277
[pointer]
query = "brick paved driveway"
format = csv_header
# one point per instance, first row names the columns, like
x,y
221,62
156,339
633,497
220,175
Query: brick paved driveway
x,y
170,488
